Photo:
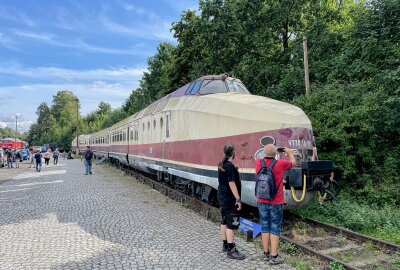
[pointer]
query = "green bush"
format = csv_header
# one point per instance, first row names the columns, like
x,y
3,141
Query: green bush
x,y
378,221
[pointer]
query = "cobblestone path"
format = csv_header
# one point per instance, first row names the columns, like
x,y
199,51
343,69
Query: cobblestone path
x,y
62,219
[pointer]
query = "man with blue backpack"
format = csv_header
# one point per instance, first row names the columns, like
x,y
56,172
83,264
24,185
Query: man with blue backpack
x,y
270,198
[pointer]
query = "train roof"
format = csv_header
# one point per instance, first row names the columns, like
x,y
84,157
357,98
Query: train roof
x,y
123,122
275,106
100,132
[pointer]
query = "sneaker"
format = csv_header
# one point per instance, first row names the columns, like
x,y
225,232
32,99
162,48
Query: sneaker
x,y
266,257
224,248
277,260
91,173
235,254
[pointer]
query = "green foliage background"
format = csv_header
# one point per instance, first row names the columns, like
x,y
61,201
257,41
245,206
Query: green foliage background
x,y
354,58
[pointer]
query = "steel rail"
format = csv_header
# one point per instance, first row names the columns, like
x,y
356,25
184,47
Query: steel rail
x,y
318,254
351,234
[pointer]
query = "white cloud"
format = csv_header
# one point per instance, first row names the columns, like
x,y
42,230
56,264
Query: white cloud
x,y
23,126
157,29
16,16
55,73
32,35
8,42
89,94
76,43
183,4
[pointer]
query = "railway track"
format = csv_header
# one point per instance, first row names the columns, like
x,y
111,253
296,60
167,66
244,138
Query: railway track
x,y
352,250
329,243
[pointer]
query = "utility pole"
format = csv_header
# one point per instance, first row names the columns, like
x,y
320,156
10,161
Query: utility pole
x,y
16,130
77,126
306,75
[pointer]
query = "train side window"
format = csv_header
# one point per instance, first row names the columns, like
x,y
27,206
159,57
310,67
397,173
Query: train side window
x,y
154,124
124,136
213,86
161,123
143,126
167,126
148,125
190,88
195,88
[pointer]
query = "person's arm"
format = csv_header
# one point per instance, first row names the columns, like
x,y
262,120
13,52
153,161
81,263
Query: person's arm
x,y
290,154
233,187
235,192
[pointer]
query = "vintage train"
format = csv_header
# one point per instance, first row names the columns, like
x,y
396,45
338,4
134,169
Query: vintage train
x,y
80,143
180,138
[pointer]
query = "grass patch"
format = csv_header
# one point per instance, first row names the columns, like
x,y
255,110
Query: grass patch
x,y
380,222
336,266
288,248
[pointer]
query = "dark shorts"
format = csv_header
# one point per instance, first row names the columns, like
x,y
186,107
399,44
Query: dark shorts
x,y
230,218
271,216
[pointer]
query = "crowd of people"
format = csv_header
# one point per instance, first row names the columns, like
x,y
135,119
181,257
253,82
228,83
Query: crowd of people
x,y
11,158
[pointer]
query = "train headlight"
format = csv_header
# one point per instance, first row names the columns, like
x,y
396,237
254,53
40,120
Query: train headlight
x,y
267,140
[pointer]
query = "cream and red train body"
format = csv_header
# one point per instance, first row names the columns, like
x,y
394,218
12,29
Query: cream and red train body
x,y
181,136
83,142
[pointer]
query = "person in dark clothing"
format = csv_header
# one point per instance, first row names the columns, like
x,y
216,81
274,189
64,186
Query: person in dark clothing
x,y
10,156
88,158
56,153
229,190
38,158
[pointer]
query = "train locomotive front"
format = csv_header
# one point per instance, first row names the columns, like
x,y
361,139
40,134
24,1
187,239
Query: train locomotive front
x,y
180,139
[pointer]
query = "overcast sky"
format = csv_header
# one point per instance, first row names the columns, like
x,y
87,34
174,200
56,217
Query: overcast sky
x,y
95,48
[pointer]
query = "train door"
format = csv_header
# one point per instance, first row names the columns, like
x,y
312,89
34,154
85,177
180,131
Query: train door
x,y
127,141
109,144
166,132
161,134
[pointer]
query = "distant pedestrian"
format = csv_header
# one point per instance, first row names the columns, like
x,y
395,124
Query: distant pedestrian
x,y
271,211
229,190
10,156
38,158
18,156
46,157
55,156
32,154
88,158
1,157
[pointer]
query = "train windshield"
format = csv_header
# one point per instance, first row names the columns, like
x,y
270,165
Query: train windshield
x,y
220,86
212,87
236,86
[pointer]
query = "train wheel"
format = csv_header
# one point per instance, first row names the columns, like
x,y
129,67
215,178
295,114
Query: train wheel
x,y
212,197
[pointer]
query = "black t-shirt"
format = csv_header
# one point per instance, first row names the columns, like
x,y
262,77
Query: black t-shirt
x,y
226,173
38,157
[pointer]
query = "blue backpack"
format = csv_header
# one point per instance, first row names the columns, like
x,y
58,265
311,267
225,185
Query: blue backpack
x,y
265,181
